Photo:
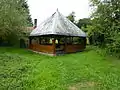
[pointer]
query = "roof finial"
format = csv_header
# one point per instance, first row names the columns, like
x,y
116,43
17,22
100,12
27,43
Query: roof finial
x,y
57,9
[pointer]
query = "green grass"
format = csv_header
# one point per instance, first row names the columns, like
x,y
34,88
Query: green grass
x,y
24,70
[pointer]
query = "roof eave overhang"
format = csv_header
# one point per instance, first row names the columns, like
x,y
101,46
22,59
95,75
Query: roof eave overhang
x,y
57,35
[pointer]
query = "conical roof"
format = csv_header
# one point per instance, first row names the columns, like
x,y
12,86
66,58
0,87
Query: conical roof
x,y
57,24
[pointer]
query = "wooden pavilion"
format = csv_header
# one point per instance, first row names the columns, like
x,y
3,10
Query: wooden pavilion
x,y
57,35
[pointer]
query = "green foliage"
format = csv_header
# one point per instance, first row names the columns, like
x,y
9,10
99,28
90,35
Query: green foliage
x,y
22,69
26,8
83,23
71,17
13,20
106,21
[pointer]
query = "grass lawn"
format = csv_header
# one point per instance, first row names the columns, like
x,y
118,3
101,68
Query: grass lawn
x,y
24,70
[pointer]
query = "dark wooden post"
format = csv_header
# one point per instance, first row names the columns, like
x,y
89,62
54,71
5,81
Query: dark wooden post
x,y
72,40
85,42
65,44
30,41
53,43
39,40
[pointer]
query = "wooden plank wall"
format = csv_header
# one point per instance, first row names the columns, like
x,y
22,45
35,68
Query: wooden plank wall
x,y
42,48
50,48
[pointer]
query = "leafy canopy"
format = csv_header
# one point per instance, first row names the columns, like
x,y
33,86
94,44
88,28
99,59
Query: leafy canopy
x,y
14,15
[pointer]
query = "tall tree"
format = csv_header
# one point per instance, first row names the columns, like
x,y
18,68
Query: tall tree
x,y
26,8
71,17
84,23
106,20
13,19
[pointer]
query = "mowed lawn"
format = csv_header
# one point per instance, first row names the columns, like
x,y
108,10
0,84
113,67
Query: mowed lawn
x,y
21,69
